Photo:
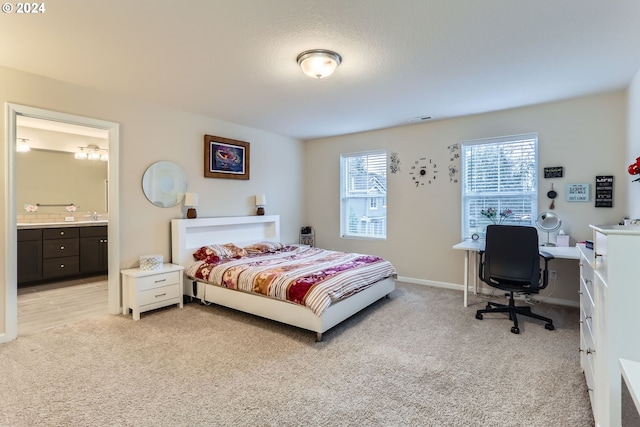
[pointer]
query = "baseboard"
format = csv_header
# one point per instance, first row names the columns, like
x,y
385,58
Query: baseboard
x,y
455,286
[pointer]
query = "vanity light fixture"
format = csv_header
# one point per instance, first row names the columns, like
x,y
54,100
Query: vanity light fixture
x,y
23,145
319,63
92,152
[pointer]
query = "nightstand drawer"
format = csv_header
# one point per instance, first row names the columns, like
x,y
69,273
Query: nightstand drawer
x,y
158,280
159,294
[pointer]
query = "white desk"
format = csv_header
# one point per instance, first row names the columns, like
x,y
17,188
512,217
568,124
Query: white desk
x,y
472,247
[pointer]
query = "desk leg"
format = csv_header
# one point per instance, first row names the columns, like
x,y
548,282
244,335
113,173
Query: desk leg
x,y
475,273
466,276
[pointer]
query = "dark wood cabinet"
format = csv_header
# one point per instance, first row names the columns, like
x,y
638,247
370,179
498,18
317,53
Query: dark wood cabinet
x,y
93,250
65,252
29,255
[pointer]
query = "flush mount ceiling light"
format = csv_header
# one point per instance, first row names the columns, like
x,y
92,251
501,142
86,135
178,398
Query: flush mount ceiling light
x,y
319,63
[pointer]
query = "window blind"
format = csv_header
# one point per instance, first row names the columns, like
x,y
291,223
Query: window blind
x,y
363,195
501,174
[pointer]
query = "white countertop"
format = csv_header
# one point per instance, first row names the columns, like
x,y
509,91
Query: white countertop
x,y
616,229
31,225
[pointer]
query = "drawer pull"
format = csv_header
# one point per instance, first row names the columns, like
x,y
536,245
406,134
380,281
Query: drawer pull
x,y
62,248
161,295
161,280
62,233
61,265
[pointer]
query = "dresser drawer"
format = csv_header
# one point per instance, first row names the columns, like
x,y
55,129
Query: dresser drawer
x,y
59,267
157,280
60,248
60,233
164,293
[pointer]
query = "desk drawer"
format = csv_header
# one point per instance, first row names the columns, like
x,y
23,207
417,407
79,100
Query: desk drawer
x,y
159,294
158,280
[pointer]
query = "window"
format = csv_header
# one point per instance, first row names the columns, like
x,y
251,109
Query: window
x,y
501,174
363,195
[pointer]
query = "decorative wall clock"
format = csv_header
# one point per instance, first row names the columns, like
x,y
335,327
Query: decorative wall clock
x,y
424,171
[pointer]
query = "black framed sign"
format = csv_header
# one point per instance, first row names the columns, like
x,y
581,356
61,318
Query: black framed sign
x,y
554,172
604,191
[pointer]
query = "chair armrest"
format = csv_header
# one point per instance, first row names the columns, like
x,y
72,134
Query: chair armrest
x,y
546,255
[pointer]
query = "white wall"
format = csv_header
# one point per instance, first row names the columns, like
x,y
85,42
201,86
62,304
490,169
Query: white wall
x,y
150,133
633,145
586,136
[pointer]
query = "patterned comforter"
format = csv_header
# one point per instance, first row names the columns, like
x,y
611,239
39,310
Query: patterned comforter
x,y
308,276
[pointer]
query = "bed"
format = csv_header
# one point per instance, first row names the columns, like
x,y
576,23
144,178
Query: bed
x,y
189,235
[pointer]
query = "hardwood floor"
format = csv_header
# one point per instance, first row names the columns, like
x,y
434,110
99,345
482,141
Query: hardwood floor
x,y
53,304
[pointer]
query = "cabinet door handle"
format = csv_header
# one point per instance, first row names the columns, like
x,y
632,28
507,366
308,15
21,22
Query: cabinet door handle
x,y
161,295
161,280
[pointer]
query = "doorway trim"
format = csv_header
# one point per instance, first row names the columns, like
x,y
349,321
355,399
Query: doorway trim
x,y
11,261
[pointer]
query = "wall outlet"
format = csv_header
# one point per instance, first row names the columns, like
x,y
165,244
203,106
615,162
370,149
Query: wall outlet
x,y
553,274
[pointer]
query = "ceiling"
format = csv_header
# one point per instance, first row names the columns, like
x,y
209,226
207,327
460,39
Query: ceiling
x,y
235,60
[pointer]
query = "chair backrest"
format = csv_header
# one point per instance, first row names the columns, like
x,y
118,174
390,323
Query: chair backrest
x,y
512,255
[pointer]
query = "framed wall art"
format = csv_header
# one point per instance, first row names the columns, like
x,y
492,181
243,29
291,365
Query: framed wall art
x,y
226,158
578,192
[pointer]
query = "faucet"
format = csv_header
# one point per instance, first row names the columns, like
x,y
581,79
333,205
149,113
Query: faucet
x,y
95,216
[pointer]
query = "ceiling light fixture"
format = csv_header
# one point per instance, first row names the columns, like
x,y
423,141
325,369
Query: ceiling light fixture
x,y
23,145
92,152
319,63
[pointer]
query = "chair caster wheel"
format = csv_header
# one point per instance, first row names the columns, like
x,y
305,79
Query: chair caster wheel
x,y
515,330
549,326
479,316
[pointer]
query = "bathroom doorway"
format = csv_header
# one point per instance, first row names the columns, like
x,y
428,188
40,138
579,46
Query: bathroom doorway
x,y
13,111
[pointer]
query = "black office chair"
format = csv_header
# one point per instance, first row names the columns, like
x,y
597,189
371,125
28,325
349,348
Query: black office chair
x,y
511,262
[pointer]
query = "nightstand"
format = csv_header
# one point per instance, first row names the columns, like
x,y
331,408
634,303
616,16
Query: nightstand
x,y
144,290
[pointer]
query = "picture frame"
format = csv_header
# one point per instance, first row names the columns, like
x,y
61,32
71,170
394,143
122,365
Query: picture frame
x,y
226,158
578,192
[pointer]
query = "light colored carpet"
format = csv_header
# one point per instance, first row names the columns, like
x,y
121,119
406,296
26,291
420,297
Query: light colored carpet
x,y
416,359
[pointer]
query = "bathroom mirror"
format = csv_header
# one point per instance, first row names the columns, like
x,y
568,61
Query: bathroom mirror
x,y
548,222
164,184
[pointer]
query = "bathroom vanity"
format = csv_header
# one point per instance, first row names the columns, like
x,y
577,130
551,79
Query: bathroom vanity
x,y
55,251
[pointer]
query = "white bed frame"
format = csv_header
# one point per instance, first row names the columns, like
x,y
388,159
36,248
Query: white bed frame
x,y
187,235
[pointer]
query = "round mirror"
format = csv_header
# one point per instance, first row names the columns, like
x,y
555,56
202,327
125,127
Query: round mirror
x,y
164,184
549,222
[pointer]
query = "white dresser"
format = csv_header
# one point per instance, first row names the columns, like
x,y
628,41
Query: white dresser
x,y
609,315
144,290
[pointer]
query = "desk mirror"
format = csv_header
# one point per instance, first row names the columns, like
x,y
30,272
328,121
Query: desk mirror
x,y
164,184
548,222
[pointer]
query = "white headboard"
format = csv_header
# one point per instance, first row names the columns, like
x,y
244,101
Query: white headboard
x,y
188,235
